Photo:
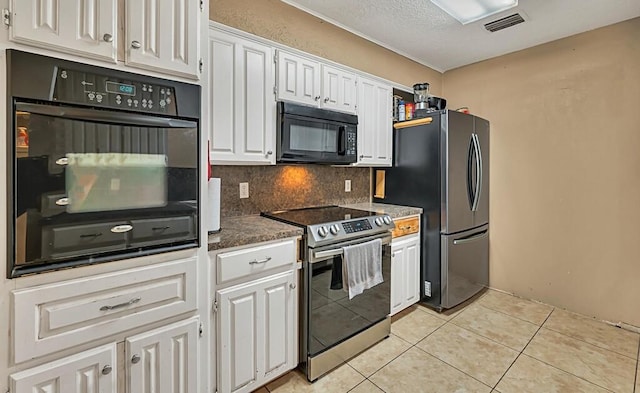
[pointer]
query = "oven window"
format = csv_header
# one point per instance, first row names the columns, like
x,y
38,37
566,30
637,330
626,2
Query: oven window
x,y
309,138
87,189
334,318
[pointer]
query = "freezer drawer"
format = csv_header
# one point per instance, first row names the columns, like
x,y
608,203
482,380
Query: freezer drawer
x,y
465,265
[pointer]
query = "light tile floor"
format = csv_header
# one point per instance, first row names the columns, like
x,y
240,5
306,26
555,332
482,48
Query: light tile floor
x,y
493,343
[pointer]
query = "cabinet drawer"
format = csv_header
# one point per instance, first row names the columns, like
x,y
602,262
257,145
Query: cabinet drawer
x,y
240,263
73,239
406,226
157,230
53,317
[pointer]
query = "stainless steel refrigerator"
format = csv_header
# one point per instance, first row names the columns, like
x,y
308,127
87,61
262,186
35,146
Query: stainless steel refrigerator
x,y
443,167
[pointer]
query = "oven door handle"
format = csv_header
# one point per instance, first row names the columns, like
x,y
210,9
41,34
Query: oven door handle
x,y
319,256
105,116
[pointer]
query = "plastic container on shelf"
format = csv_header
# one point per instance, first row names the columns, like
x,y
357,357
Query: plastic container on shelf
x,y
401,111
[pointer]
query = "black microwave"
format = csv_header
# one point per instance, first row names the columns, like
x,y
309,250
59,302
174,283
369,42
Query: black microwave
x,y
315,136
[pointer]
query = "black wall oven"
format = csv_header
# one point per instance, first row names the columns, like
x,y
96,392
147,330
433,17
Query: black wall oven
x,y
103,164
318,136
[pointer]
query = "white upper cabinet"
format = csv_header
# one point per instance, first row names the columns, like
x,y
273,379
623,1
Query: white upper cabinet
x,y
310,82
163,35
375,124
298,79
82,27
338,89
242,103
160,35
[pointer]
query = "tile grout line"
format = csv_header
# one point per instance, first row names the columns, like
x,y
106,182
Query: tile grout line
x,y
523,349
555,367
509,315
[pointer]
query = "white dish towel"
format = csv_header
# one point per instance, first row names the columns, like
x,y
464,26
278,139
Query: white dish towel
x,y
362,267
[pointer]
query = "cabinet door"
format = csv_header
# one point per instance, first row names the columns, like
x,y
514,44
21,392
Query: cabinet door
x,y
298,79
164,35
279,324
164,360
82,27
405,272
375,130
239,327
257,332
398,262
338,89
92,371
412,269
242,103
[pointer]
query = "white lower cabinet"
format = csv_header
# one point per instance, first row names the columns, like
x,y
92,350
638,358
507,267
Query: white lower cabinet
x,y
405,272
164,359
257,337
92,371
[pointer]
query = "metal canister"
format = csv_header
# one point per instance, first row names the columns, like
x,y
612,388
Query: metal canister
x,y
408,108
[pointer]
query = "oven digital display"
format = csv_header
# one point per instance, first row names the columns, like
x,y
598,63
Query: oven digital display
x,y
356,226
121,88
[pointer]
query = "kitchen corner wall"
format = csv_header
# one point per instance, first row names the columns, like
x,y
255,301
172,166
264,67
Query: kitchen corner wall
x,y
565,168
289,186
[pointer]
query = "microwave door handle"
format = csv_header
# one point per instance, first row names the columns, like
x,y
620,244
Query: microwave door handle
x,y
342,140
83,114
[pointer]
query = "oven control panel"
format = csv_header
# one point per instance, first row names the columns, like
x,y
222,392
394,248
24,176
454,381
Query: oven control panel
x,y
356,226
334,232
86,88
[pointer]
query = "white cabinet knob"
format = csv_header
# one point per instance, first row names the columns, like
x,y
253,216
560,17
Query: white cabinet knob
x,y
292,286
107,37
136,44
106,370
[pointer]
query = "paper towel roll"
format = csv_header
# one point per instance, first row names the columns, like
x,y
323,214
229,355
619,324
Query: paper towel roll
x,y
213,205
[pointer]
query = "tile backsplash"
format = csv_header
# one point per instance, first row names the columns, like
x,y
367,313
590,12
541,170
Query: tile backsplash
x,y
289,186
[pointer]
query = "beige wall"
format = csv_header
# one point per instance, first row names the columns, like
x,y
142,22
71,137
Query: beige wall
x,y
565,168
280,22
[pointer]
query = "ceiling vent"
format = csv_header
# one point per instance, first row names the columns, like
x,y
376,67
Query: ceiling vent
x,y
503,23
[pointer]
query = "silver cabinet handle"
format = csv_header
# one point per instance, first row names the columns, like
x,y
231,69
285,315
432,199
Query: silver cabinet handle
x,y
269,152
292,286
317,98
125,304
62,161
136,44
258,262
326,99
107,37
135,359
106,370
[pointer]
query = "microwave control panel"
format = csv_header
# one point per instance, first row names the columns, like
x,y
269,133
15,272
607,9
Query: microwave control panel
x,y
85,88
350,148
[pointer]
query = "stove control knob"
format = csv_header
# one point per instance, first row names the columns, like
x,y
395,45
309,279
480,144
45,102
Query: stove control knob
x,y
379,221
334,229
387,220
322,231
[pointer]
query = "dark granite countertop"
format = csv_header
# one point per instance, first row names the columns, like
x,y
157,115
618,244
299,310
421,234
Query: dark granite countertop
x,y
243,230
395,211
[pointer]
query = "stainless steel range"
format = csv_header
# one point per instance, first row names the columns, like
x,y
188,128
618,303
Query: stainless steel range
x,y
333,327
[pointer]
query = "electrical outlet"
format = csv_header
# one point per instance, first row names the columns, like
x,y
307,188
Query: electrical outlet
x,y
347,186
244,190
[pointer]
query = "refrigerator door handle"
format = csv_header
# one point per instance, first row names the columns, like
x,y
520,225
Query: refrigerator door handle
x,y
470,239
478,188
470,188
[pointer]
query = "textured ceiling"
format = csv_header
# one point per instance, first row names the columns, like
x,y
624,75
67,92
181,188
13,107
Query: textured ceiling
x,y
423,32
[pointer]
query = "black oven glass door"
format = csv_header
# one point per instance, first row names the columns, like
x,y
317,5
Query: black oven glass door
x,y
90,183
304,139
332,317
